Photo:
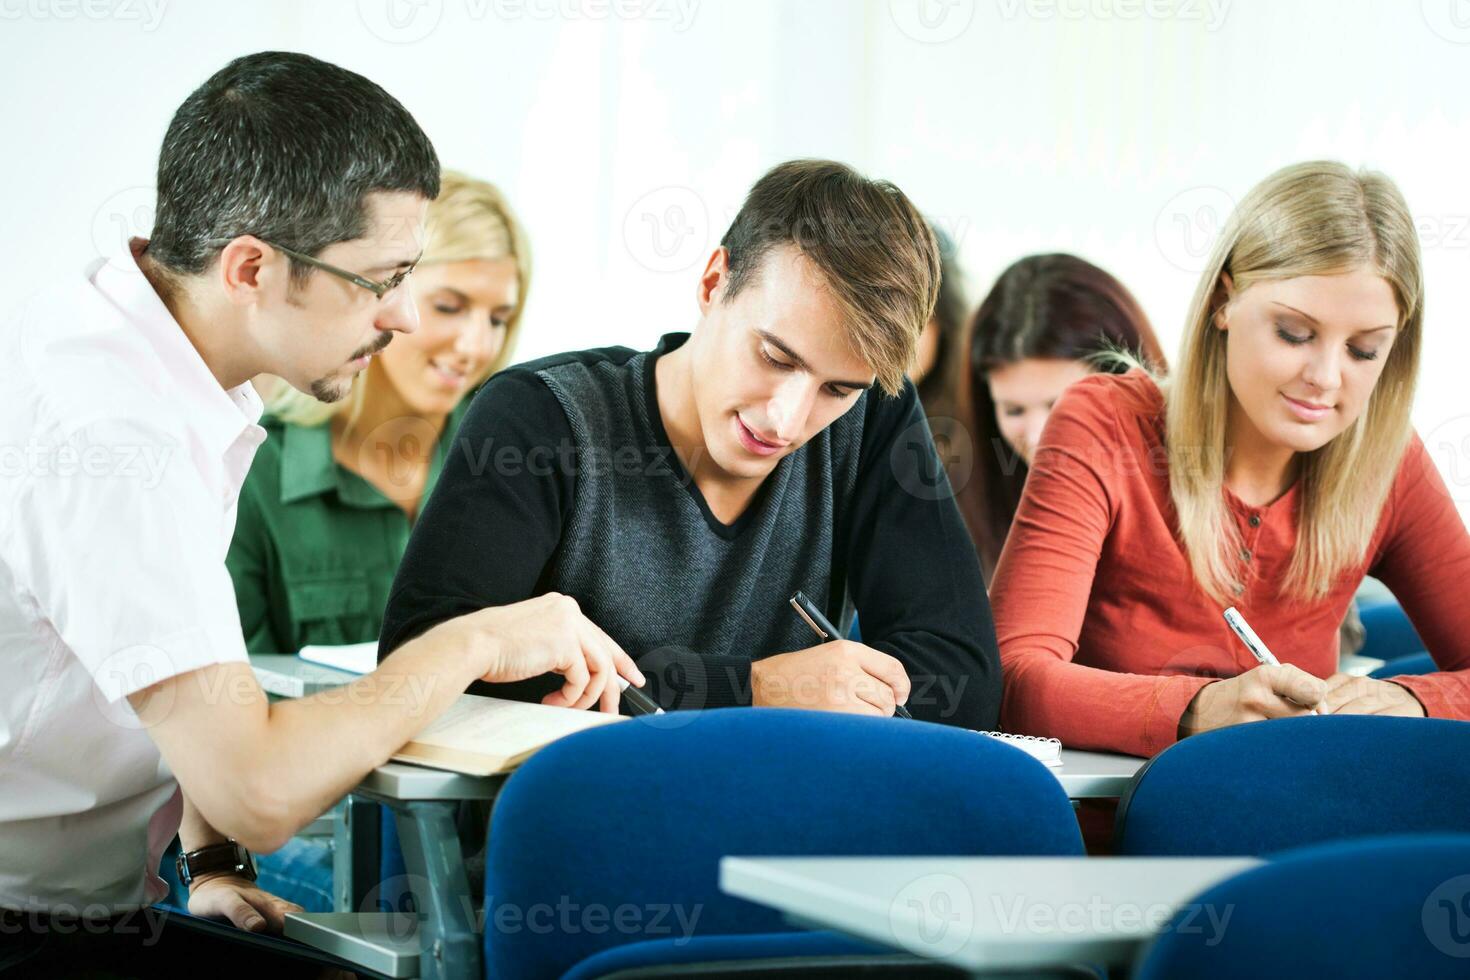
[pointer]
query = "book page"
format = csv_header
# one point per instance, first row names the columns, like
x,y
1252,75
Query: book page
x,y
483,735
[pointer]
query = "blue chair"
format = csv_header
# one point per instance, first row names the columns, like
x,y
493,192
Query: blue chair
x,y
636,817
1271,785
1387,632
1419,663
1382,907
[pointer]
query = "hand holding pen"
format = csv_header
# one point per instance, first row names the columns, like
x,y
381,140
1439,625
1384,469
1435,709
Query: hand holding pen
x,y
1258,648
1272,690
825,631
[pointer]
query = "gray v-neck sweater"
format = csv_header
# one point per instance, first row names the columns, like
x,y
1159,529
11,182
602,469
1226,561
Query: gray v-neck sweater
x,y
562,479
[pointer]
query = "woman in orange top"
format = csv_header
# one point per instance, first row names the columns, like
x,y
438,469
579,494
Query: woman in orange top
x,y
1271,471
1039,329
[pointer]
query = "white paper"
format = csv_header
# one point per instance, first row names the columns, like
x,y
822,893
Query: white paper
x,y
359,658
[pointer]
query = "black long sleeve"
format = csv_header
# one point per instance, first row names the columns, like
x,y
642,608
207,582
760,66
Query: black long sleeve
x,y
913,573
494,523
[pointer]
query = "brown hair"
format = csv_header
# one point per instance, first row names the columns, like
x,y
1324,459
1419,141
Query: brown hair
x,y
949,317
872,246
1043,306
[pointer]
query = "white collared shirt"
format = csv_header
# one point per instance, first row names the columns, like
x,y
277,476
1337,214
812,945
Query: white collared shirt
x,y
121,461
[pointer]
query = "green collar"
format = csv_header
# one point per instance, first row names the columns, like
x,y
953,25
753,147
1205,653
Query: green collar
x,y
308,468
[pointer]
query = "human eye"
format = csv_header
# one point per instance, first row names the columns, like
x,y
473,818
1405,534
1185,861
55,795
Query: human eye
x,y
1295,340
773,362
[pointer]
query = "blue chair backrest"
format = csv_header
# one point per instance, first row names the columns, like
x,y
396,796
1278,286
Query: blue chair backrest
x,y
1271,785
1380,907
1387,632
1419,663
614,835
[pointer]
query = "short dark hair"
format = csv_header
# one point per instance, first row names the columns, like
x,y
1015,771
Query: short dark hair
x,y
869,242
285,147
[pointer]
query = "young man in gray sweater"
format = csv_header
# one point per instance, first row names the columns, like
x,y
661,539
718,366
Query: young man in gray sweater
x,y
680,496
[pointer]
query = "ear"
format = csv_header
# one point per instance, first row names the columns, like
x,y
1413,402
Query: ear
x,y
1220,299
248,267
713,280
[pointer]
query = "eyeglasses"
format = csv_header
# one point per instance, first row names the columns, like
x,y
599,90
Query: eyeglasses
x,y
379,289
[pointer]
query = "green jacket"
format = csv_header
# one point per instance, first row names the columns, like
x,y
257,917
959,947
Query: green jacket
x,y
316,546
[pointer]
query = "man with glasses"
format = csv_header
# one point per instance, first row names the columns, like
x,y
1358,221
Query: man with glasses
x,y
128,711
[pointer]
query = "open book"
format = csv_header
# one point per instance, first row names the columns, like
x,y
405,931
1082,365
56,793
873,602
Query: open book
x,y
1046,750
482,736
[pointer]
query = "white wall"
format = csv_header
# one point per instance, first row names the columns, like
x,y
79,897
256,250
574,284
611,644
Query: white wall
x,y
626,131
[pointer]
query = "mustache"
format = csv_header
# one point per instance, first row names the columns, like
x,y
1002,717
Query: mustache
x,y
384,339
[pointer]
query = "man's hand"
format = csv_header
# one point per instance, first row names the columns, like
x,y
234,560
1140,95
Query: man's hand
x,y
224,896
1350,695
547,634
838,676
1264,692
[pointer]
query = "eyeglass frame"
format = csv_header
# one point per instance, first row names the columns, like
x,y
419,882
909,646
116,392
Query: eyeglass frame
x,y
378,289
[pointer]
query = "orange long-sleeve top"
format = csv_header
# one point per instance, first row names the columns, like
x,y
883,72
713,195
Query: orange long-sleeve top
x,y
1104,636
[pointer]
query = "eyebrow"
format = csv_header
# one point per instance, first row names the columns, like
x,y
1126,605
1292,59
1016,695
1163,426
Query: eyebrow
x,y
801,362
1313,320
461,294
400,264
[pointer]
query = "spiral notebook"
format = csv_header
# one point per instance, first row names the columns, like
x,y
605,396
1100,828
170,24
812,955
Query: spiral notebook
x,y
1047,751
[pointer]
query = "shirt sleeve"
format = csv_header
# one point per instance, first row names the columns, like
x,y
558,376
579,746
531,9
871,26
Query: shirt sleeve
x,y
1042,585
117,555
493,521
249,561
491,528
1425,561
913,572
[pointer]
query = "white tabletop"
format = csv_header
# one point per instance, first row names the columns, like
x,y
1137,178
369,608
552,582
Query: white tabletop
x,y
988,913
1096,775
404,781
288,676
1357,665
1084,775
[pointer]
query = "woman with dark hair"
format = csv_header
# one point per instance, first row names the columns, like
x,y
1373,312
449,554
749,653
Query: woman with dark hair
x,y
1044,325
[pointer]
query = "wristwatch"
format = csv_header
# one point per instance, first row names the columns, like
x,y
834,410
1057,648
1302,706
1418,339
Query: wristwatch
x,y
229,857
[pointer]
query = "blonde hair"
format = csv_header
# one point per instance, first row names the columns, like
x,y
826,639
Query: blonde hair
x,y
470,219
1316,218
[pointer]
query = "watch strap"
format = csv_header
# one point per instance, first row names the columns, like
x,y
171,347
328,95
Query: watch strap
x,y
230,857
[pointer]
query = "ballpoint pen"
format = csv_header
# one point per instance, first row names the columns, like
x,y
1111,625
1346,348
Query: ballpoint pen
x,y
824,629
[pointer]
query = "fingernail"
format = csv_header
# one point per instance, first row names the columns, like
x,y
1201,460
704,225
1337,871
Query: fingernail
x,y
640,678
254,924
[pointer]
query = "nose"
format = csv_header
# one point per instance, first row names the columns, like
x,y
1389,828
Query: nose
x,y
790,407
397,311
1035,422
479,339
1323,370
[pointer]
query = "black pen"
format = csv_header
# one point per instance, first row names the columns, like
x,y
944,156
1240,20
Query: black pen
x,y
820,625
636,700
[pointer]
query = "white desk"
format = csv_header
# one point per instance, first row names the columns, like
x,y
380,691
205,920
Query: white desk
x,y
423,802
1096,775
288,676
985,914
1358,666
